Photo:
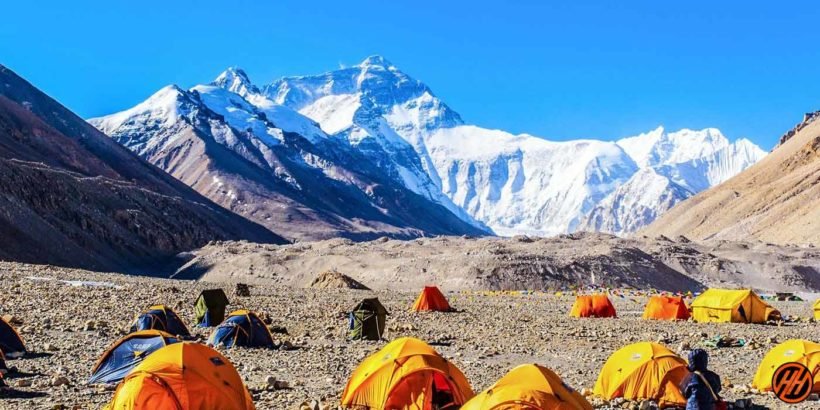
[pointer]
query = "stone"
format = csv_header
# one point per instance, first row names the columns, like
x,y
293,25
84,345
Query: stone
x,y
59,381
22,383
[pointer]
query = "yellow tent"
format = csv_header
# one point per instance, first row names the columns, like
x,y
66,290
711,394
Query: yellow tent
x,y
641,371
528,386
795,350
407,374
183,376
817,309
724,305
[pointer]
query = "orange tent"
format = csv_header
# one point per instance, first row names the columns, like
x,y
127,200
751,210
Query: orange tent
x,y
431,298
528,386
407,374
666,308
182,376
597,305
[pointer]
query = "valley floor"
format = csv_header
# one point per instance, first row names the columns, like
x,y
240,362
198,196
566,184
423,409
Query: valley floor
x,y
489,335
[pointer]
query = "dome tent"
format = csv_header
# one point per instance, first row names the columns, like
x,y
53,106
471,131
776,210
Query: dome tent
x,y
528,386
597,305
791,351
431,298
127,353
666,308
367,320
183,376
641,371
725,305
242,328
160,317
406,374
11,344
210,307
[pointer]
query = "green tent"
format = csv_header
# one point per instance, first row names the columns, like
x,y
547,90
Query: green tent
x,y
367,320
210,307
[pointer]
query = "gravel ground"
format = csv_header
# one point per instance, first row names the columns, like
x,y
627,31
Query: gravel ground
x,y
67,327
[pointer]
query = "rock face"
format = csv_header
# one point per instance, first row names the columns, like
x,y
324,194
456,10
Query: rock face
x,y
777,200
455,263
277,167
73,197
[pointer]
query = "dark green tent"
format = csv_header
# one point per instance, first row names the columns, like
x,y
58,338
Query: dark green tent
x,y
210,307
367,320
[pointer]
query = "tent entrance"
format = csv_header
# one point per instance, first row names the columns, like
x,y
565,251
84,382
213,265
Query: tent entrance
x,y
424,389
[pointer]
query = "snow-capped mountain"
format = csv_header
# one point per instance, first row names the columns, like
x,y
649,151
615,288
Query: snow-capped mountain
x,y
273,165
372,119
514,184
674,167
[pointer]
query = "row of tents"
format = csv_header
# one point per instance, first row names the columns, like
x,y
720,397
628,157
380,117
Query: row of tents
x,y
713,305
408,373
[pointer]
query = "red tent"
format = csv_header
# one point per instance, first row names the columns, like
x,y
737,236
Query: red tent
x,y
431,299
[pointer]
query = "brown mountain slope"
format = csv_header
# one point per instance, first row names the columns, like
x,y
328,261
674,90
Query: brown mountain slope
x,y
72,197
777,200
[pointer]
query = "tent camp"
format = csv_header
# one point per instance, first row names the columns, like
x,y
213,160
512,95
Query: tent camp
x,y
817,309
209,381
791,351
528,386
406,374
242,328
367,320
11,344
127,353
431,298
666,308
210,307
160,317
597,305
724,305
642,371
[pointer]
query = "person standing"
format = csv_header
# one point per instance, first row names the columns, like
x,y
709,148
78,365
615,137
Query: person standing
x,y
701,386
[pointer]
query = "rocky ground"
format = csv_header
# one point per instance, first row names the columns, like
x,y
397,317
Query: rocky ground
x,y
67,325
457,263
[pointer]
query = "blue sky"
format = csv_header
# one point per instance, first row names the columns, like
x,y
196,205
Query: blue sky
x,y
560,70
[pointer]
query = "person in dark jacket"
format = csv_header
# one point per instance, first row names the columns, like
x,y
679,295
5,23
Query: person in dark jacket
x,y
694,386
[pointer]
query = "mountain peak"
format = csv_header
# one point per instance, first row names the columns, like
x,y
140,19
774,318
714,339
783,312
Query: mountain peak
x,y
235,80
376,60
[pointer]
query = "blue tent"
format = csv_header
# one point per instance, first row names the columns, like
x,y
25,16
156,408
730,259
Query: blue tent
x,y
127,353
242,328
10,342
160,317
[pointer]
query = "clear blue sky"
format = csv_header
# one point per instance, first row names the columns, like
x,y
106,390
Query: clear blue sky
x,y
561,70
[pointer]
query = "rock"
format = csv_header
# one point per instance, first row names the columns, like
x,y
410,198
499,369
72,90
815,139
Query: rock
x,y
89,325
270,381
645,405
814,397
22,383
242,289
59,381
50,347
